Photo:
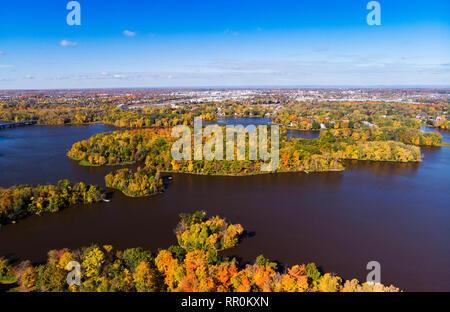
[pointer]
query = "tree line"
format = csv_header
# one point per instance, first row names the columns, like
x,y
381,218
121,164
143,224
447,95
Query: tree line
x,y
404,135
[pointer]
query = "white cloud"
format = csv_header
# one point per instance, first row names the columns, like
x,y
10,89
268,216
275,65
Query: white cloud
x,y
6,66
129,33
2,52
118,76
67,43
29,77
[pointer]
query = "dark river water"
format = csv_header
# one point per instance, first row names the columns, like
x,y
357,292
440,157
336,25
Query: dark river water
x,y
396,214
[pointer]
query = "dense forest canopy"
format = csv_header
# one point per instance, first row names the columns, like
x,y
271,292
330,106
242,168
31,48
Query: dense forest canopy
x,y
143,182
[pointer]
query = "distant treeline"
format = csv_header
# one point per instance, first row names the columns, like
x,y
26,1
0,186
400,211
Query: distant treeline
x,y
305,115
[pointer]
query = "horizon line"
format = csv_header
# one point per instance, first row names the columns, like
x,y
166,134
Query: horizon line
x,y
243,87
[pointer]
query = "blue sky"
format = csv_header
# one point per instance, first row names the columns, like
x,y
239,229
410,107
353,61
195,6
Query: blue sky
x,y
223,43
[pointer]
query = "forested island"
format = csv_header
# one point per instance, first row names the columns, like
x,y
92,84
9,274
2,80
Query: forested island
x,y
140,183
20,201
194,265
152,148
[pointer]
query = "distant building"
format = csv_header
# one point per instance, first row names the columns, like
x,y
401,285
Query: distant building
x,y
369,124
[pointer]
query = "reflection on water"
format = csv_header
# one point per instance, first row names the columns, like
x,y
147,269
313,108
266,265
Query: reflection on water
x,y
304,134
382,167
396,214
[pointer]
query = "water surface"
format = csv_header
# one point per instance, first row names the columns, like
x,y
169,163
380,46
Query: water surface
x,y
397,214
37,154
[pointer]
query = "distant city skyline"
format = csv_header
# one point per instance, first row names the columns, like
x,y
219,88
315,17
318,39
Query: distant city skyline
x,y
176,44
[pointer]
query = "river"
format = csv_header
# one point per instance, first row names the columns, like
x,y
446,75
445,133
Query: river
x,y
396,214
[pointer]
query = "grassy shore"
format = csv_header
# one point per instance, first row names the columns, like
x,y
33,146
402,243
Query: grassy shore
x,y
87,164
